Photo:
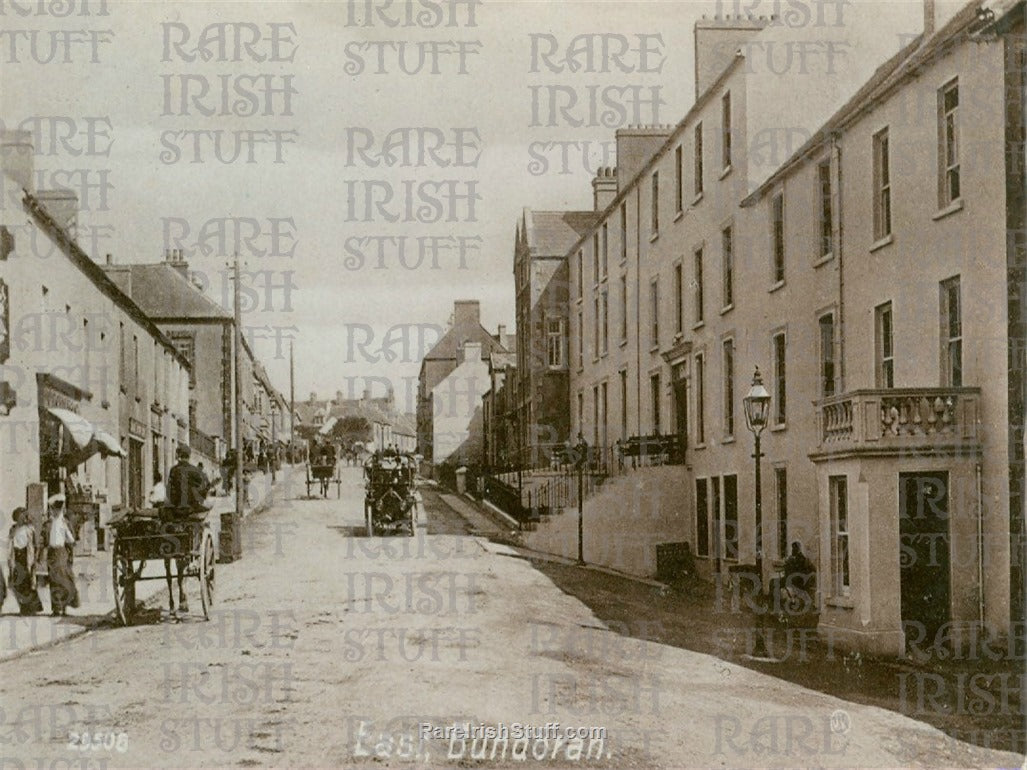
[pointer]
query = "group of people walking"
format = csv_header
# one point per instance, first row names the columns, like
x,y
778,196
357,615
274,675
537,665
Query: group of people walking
x,y
25,552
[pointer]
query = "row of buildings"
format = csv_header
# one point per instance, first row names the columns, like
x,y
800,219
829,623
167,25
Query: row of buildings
x,y
856,231
105,369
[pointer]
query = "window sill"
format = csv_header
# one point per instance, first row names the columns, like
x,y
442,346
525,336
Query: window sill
x,y
778,428
843,602
680,215
725,171
624,342
679,336
698,325
880,244
727,308
823,259
699,446
654,348
775,287
952,208
727,440
698,197
654,236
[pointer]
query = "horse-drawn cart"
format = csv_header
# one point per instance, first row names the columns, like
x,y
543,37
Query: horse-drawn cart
x,y
322,476
392,504
144,535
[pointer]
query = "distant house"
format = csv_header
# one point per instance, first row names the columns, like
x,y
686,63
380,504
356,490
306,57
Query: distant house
x,y
457,430
443,358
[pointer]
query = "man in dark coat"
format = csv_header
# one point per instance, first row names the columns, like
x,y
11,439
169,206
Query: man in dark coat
x,y
187,486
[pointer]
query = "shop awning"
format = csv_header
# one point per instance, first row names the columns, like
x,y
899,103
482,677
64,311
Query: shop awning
x,y
78,428
109,446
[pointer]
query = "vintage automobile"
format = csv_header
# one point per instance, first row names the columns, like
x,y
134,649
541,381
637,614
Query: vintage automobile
x,y
392,504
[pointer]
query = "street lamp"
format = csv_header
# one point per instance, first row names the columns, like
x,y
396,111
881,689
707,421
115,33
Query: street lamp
x,y
580,453
757,408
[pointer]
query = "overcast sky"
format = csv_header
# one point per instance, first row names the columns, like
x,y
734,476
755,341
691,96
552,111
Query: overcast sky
x,y
146,175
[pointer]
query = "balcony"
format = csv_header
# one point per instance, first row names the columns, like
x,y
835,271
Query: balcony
x,y
894,421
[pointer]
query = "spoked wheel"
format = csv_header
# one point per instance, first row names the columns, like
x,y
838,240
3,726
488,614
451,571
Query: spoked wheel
x,y
123,578
207,574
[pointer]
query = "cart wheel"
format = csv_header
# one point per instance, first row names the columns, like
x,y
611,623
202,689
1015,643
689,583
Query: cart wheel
x,y
367,517
207,575
124,586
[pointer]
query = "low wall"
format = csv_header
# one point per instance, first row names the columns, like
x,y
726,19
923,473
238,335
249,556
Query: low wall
x,y
624,521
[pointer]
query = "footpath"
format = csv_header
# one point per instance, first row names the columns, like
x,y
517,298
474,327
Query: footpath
x,y
23,634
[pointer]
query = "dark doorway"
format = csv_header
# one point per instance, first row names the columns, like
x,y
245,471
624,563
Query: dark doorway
x,y
135,473
924,552
681,418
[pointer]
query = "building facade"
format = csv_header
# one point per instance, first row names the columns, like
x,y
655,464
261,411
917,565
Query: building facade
x,y
828,268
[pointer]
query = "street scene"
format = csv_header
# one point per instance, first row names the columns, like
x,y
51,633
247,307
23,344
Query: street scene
x,y
444,383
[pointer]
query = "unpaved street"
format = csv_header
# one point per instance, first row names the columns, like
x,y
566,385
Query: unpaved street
x,y
330,649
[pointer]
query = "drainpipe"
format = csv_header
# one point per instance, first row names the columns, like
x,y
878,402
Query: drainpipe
x,y
638,311
980,547
836,161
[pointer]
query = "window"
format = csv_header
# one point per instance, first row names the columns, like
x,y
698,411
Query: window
x,y
777,236
581,413
697,171
623,232
718,546
730,517
725,130
595,416
654,391
824,187
727,346
702,521
826,323
554,343
595,258
698,298
679,302
624,308
185,343
603,414
679,185
581,340
655,204
948,144
839,534
884,347
624,404
654,312
728,250
606,248
595,328
882,186
122,357
700,400
780,383
581,273
604,307
781,497
951,334
135,365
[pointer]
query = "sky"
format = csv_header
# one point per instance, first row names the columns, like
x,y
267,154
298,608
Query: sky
x,y
126,100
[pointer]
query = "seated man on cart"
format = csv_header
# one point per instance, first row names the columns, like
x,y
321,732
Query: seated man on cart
x,y
187,489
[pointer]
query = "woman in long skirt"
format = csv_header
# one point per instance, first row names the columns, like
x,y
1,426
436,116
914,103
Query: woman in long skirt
x,y
21,564
63,592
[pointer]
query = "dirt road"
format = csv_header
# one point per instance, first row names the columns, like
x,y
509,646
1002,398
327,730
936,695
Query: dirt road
x,y
330,649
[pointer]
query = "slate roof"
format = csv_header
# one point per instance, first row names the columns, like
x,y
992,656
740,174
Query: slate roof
x,y
446,348
552,233
164,293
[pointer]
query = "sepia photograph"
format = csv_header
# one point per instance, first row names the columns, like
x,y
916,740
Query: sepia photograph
x,y
513,383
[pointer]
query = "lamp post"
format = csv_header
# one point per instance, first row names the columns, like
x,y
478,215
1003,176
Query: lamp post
x,y
580,453
757,408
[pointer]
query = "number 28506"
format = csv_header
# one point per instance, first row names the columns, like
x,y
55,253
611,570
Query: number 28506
x,y
101,740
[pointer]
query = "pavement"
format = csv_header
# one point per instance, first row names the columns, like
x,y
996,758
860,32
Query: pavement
x,y
332,649
20,634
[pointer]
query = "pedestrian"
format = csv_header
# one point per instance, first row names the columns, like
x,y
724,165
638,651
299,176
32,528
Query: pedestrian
x,y
187,486
21,563
60,558
159,493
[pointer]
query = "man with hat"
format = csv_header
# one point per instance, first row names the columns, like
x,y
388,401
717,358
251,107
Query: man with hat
x,y
187,486
59,544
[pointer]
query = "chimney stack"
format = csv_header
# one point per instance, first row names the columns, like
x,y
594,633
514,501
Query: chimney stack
x,y
717,42
110,258
367,395
174,258
635,146
604,187
16,159
466,311
338,397
501,333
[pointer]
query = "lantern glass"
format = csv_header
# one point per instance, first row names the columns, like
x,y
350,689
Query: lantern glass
x,y
757,404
